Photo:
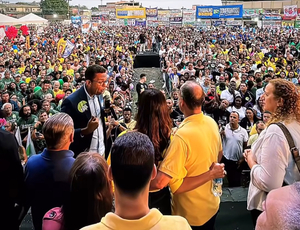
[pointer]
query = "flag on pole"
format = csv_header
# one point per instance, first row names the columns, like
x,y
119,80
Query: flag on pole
x,y
87,59
68,49
29,145
18,136
27,42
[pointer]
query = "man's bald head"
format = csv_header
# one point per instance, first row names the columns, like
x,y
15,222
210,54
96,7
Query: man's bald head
x,y
192,95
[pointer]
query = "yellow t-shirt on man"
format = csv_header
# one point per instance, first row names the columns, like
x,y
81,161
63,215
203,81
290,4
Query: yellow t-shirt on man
x,y
195,146
154,220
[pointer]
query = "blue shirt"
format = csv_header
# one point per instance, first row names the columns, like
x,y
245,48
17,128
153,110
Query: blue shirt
x,y
47,182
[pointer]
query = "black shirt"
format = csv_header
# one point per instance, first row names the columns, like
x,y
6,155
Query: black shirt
x,y
140,87
221,116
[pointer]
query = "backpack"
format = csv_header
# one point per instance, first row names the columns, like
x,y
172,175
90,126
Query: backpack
x,y
53,219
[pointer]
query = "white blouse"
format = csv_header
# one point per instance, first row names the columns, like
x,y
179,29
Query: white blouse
x,y
275,163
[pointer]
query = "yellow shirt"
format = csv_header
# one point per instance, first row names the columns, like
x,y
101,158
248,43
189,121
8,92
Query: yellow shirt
x,y
253,130
70,72
130,125
195,146
154,220
58,92
21,70
252,139
59,67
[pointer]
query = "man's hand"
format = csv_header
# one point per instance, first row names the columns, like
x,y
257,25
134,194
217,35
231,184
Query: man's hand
x,y
91,126
37,124
217,170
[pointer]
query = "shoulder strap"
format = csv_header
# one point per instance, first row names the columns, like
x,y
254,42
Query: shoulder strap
x,y
289,138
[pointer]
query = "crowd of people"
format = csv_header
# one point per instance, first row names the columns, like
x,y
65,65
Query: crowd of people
x,y
108,159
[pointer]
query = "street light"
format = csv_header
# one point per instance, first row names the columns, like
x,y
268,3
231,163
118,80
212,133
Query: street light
x,y
54,15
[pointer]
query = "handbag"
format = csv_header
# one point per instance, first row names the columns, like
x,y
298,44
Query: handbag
x,y
53,219
294,150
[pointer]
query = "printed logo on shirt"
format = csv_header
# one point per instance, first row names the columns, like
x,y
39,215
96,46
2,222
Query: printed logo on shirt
x,y
82,106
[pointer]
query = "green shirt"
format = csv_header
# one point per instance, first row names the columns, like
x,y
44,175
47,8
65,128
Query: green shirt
x,y
7,81
39,144
2,85
41,95
52,112
24,124
14,117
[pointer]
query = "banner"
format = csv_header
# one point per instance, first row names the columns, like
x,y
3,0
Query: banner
x,y
131,22
234,23
68,49
94,26
271,17
152,23
297,24
112,15
76,20
207,12
204,12
188,15
218,23
163,15
176,20
203,23
140,23
131,13
271,24
175,13
61,46
287,23
85,27
40,30
151,12
252,13
112,22
290,12
235,11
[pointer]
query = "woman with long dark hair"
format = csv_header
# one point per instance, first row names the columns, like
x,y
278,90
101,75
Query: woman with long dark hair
x,y
90,196
153,119
249,120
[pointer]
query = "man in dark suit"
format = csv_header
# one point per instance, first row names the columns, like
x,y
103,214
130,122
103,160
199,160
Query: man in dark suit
x,y
85,106
11,180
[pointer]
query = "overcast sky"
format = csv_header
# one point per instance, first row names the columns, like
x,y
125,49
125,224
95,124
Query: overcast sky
x,y
173,4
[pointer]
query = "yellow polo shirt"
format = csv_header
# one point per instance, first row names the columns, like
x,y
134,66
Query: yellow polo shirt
x,y
195,146
154,220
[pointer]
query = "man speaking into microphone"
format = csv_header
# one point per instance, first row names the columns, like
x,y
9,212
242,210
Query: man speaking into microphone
x,y
84,106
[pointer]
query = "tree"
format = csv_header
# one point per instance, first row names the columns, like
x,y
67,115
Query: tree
x,y
83,7
59,7
94,9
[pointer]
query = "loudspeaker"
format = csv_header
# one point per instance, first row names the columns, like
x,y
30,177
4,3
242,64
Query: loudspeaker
x,y
148,59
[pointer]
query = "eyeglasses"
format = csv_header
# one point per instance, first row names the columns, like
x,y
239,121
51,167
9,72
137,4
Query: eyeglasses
x,y
102,82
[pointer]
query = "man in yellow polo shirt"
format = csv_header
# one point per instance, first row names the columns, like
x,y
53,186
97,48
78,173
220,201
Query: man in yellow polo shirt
x,y
189,161
132,168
